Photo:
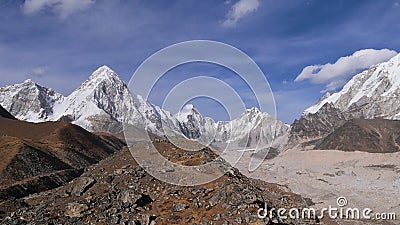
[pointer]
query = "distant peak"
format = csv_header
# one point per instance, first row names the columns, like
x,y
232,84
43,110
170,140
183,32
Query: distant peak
x,y
188,107
253,109
103,71
187,110
105,68
101,76
28,81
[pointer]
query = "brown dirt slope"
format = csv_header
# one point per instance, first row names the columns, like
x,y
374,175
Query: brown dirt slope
x,y
69,143
22,160
34,152
374,135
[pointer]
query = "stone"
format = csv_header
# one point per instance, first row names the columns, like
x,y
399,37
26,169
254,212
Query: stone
x,y
82,185
215,199
75,210
129,196
180,207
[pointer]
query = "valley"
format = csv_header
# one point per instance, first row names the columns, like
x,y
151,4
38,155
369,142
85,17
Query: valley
x,y
347,145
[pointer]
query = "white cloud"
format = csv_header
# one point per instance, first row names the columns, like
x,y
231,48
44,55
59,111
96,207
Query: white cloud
x,y
63,8
335,75
40,71
239,10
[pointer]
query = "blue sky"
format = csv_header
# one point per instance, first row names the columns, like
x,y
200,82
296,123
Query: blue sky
x,y
60,45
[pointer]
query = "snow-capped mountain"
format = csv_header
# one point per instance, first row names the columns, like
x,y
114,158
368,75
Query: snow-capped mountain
x,y
373,93
157,120
29,101
370,94
103,103
251,129
194,126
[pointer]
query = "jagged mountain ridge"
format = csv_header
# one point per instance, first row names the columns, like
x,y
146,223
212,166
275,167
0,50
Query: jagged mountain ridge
x,y
370,94
373,93
251,129
29,101
103,103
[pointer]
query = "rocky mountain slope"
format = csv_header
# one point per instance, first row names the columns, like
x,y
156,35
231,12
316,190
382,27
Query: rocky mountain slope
x,y
47,176
41,156
316,125
374,93
118,191
103,103
373,135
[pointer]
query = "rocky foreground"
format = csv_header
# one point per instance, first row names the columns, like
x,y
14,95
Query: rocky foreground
x,y
118,191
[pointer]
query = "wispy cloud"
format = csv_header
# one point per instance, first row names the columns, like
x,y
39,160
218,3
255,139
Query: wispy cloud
x,y
336,74
62,8
40,71
239,10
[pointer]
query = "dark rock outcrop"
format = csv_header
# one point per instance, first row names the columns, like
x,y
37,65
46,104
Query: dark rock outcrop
x,y
5,114
320,124
375,136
